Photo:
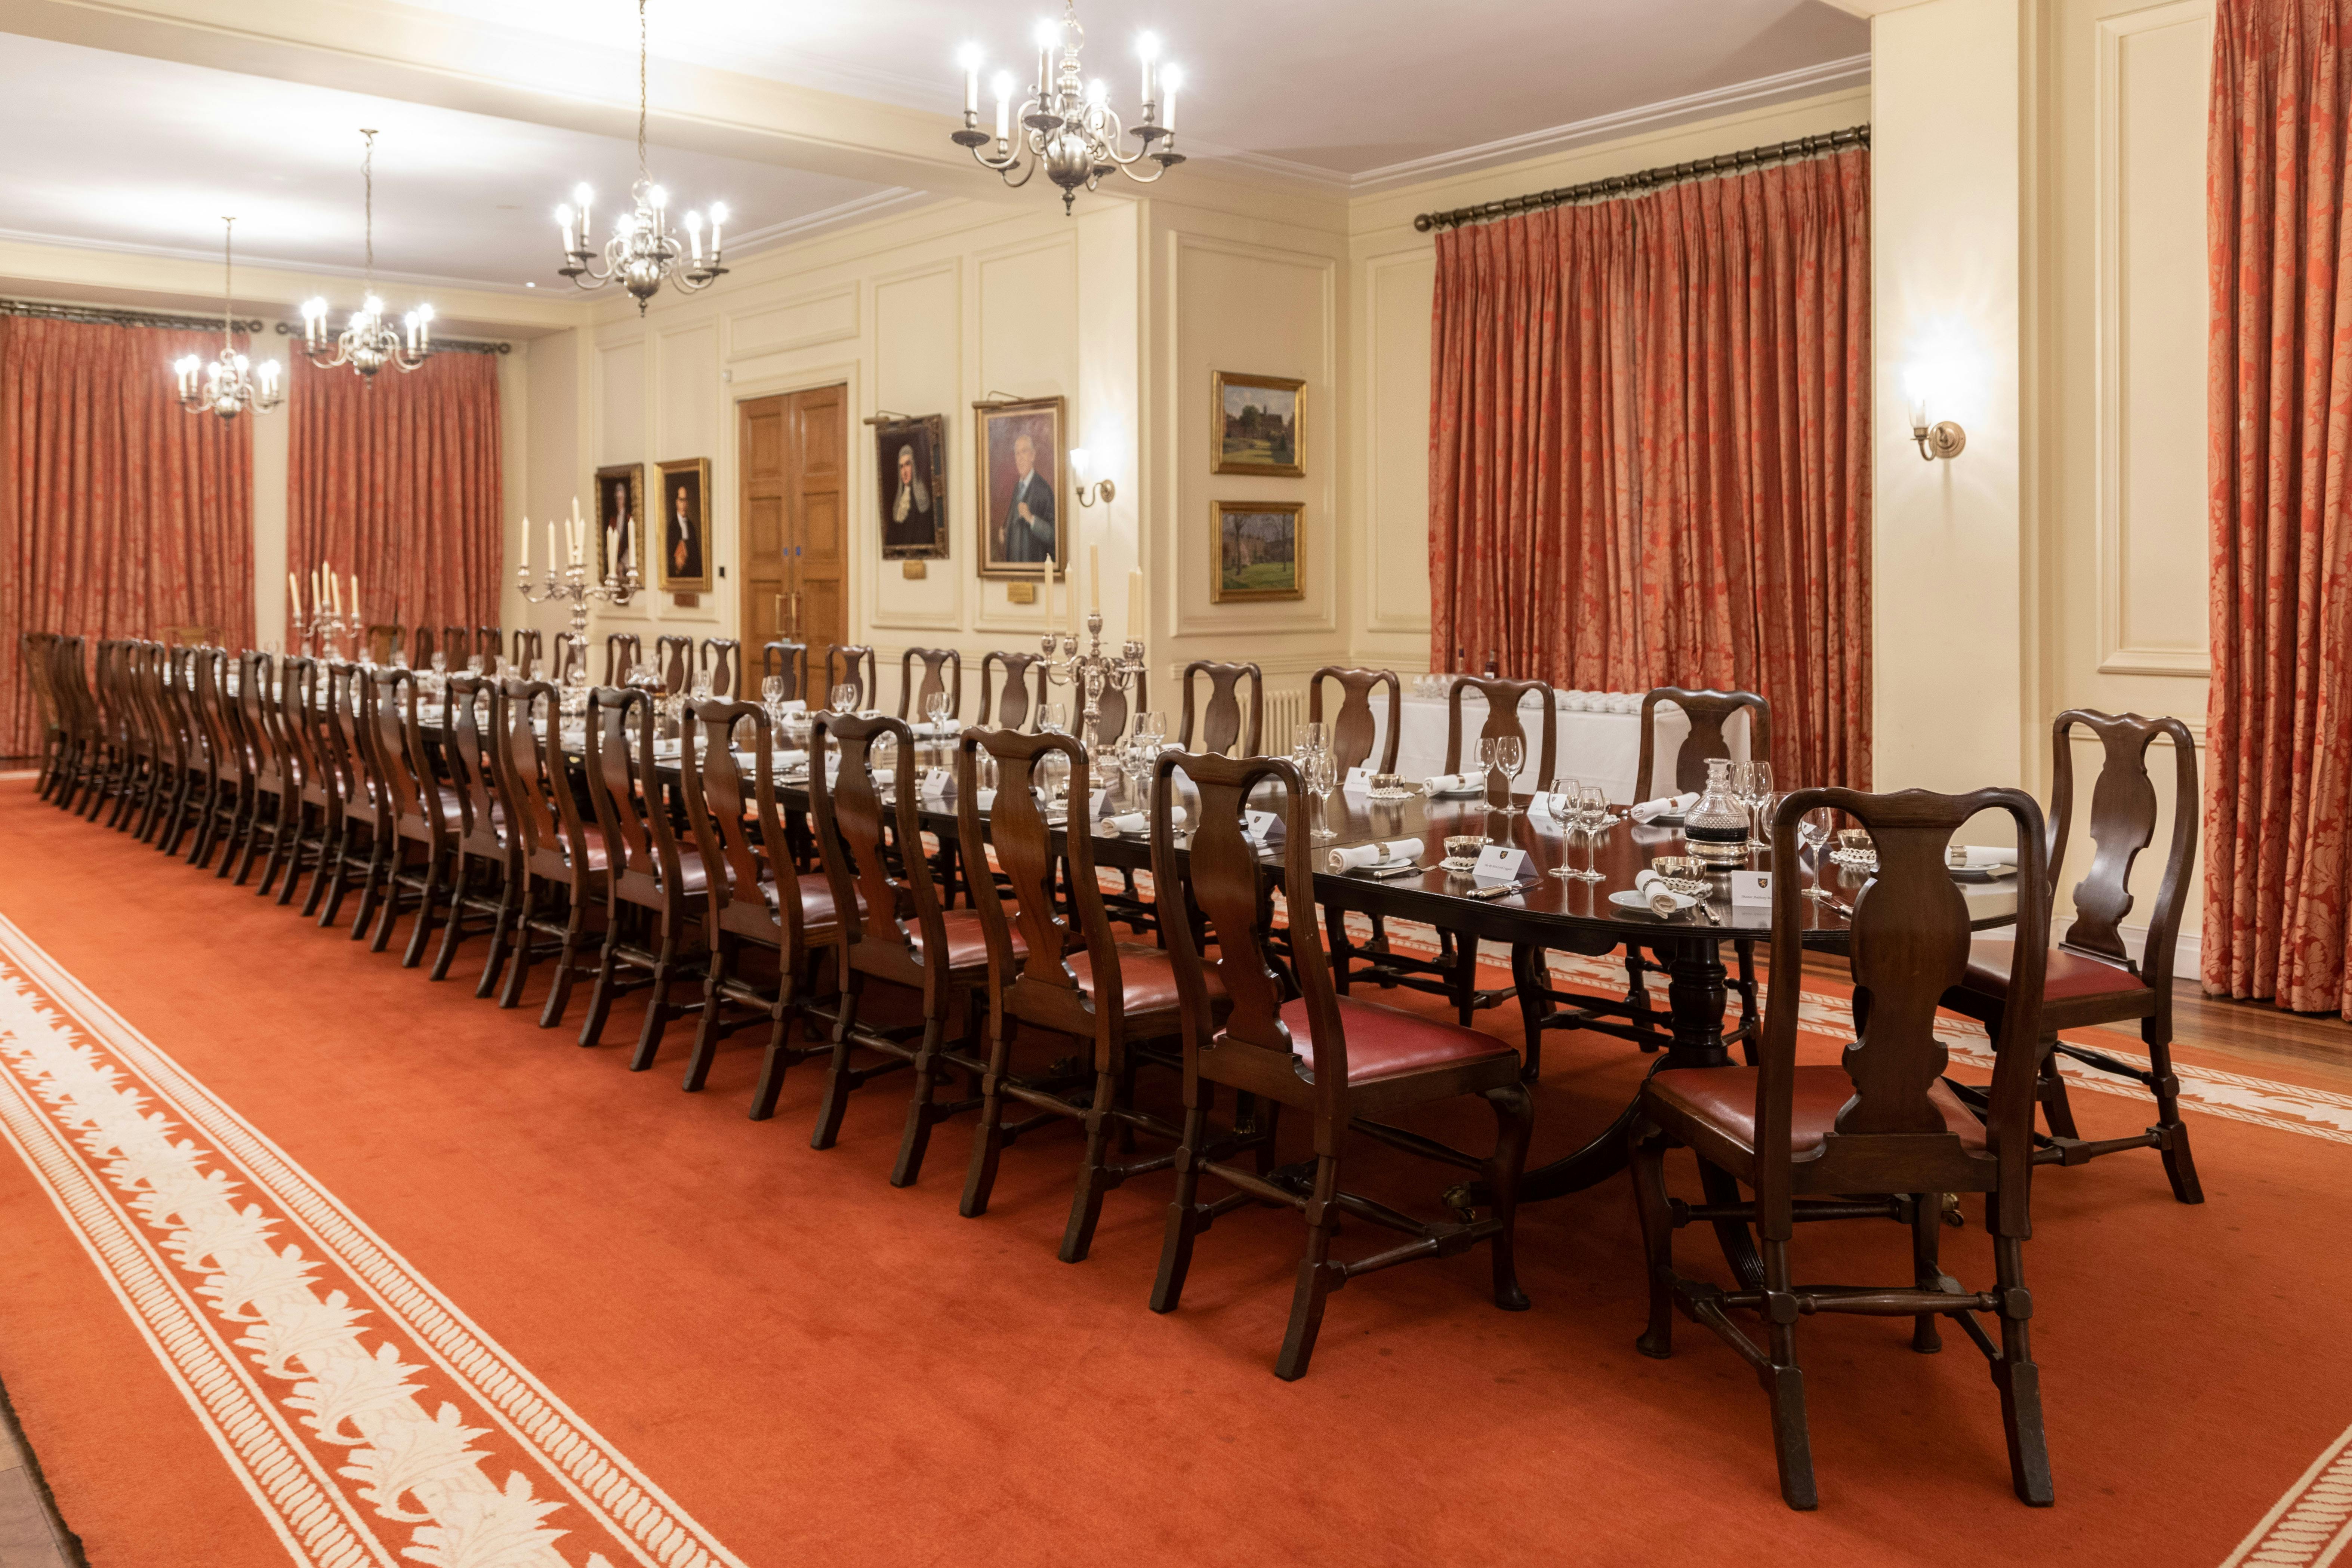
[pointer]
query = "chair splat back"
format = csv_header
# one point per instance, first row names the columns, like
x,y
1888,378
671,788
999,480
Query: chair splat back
x,y
722,658
943,672
1354,727
1909,945
852,664
1503,698
1009,708
718,803
1221,877
1709,712
622,655
520,762
1023,838
1223,722
637,833
2123,823
850,813
789,660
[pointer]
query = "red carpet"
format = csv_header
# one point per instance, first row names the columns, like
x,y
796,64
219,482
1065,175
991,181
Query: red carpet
x,y
305,1258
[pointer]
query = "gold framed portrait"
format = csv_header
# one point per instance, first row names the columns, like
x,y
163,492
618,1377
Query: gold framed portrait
x,y
1259,550
680,537
1260,424
620,512
1018,453
909,460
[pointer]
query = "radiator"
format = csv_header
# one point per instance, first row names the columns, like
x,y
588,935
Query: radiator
x,y
1284,711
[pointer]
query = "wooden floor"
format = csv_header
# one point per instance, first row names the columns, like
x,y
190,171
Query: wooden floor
x,y
31,1535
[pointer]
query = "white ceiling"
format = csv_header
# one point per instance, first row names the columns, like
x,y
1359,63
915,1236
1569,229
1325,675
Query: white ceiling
x,y
130,152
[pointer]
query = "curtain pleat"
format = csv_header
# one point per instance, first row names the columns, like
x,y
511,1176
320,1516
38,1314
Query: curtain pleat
x,y
398,479
123,514
1649,452
2279,712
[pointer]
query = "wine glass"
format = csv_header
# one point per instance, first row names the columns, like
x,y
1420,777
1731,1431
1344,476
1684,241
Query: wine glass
x,y
1510,751
1591,810
1319,774
1752,785
845,698
474,664
1052,719
1151,732
440,662
1560,800
936,708
1313,737
1814,832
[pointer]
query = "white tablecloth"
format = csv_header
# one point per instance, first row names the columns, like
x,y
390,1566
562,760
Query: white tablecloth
x,y
1602,747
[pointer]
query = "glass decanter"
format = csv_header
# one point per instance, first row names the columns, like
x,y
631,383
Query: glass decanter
x,y
1717,827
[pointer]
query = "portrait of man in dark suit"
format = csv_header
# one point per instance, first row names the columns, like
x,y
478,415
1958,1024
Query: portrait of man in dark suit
x,y
1021,491
685,536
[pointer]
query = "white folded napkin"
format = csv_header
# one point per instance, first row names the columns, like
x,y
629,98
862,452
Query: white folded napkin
x,y
1360,855
983,798
1141,822
1443,782
1650,885
947,728
796,705
1977,857
778,761
1672,806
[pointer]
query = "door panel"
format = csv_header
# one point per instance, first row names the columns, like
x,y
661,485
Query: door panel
x,y
795,452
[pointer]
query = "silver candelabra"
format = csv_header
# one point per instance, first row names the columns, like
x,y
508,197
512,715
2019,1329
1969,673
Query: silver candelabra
x,y
1091,672
572,583
322,633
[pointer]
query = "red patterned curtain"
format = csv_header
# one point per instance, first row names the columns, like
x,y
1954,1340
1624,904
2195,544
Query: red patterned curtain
x,y
1649,449
397,480
2279,384
120,513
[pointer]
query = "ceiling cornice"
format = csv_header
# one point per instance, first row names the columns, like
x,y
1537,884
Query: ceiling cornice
x,y
1805,82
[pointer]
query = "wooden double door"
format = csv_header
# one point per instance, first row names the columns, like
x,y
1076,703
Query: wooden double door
x,y
793,453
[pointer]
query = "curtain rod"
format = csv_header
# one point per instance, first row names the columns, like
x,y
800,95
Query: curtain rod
x,y
454,345
92,316
1648,179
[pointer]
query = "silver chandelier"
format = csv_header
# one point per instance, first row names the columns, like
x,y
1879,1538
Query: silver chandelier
x,y
232,383
1066,126
643,252
369,342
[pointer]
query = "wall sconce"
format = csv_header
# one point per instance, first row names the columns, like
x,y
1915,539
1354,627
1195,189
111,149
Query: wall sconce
x,y
1942,439
1102,489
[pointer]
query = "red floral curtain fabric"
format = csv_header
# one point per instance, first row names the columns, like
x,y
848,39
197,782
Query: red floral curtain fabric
x,y
122,514
398,480
2279,710
1649,449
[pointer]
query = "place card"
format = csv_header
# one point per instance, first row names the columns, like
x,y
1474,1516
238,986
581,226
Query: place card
x,y
1098,806
1357,782
1261,827
1501,863
938,783
1751,889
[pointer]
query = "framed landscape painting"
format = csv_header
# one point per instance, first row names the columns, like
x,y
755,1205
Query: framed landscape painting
x,y
1259,552
1260,425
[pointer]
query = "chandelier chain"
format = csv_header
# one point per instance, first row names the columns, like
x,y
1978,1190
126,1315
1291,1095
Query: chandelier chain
x,y
644,175
229,276
367,173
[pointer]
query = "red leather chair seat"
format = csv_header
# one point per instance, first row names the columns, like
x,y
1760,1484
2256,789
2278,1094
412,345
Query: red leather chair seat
x,y
967,942
1724,1098
2069,975
816,898
693,876
1146,979
599,858
1387,1042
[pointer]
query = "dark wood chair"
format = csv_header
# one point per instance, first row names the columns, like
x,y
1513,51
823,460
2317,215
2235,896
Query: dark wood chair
x,y
265,765
528,652
221,792
789,660
674,662
722,661
458,646
385,642
1055,965
895,930
487,641
1360,1060
1709,713
758,900
850,664
484,851
39,650
360,833
622,655
77,711
147,671
1880,1134
1223,722
192,764
309,809
422,647
2090,977
571,656
1009,697
1454,972
1355,727
417,871
654,889
564,862
943,672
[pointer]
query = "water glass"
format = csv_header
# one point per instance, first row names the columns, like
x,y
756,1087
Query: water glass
x,y
1054,719
1813,833
440,662
937,707
1313,736
1151,732
1752,785
1319,773
1560,800
845,698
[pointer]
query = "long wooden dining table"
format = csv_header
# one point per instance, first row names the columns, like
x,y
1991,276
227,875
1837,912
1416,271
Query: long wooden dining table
x,y
1540,912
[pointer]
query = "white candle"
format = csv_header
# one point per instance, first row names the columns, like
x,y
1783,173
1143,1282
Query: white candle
x,y
636,544
293,596
1147,47
525,563
1094,578
1170,80
550,544
334,593
1003,85
355,596
1135,605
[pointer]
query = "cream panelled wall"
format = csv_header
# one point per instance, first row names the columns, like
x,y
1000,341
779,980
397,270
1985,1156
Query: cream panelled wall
x,y
2039,223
